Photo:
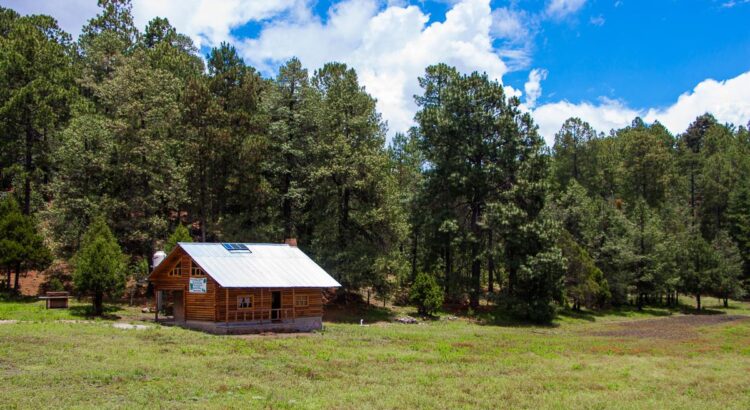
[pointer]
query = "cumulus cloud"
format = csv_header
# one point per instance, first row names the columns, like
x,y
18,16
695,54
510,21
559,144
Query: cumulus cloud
x,y
533,87
209,22
558,9
389,47
727,100
510,24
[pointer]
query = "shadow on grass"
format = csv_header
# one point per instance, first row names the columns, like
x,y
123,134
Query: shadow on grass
x,y
623,311
354,312
77,310
491,315
87,311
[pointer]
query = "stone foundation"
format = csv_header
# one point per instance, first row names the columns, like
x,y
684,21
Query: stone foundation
x,y
300,324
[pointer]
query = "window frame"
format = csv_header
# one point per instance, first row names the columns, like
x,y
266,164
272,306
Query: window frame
x,y
176,270
299,298
252,302
195,270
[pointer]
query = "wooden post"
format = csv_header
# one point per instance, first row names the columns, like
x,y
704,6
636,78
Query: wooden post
x,y
158,302
294,306
226,314
261,306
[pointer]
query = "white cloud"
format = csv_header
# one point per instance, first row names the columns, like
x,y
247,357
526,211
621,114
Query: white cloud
x,y
727,100
509,24
389,47
597,20
533,87
604,116
209,22
558,9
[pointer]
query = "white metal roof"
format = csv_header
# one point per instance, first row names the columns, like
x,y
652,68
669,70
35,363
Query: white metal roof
x,y
266,265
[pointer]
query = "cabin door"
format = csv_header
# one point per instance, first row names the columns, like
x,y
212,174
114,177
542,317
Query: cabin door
x,y
275,305
178,306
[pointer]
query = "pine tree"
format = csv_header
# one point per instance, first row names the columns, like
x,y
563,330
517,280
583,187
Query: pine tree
x,y
21,246
573,153
180,234
292,105
353,209
727,276
738,216
36,87
100,265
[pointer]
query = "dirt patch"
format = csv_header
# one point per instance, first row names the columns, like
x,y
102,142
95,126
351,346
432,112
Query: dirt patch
x,y
675,327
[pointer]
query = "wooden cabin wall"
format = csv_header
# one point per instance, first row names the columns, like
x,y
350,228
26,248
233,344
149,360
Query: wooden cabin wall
x,y
262,301
198,306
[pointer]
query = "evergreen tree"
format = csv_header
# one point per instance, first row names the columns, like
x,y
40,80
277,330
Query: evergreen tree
x,y
180,234
292,105
354,210
696,280
738,216
727,276
426,294
100,265
573,153
36,87
21,246
584,282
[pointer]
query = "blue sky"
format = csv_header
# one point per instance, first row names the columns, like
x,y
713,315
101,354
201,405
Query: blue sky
x,y
603,60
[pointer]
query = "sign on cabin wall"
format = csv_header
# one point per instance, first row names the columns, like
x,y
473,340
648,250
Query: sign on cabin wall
x,y
198,285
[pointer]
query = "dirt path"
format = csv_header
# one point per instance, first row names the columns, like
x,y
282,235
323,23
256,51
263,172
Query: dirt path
x,y
674,327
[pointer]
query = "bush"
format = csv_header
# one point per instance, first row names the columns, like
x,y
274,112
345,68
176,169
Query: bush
x,y
426,294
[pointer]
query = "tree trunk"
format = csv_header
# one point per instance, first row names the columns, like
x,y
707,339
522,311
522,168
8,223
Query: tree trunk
x,y
414,245
726,302
28,163
698,301
98,299
286,207
448,270
490,265
16,285
476,264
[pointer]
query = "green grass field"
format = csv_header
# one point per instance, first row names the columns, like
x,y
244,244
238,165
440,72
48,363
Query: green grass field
x,y
622,359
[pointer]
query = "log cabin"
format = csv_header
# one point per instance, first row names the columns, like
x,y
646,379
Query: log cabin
x,y
236,288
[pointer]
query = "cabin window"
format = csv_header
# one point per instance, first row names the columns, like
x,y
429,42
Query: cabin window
x,y
301,301
176,271
196,270
245,302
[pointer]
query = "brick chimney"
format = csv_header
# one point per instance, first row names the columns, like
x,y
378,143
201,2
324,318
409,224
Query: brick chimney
x,y
291,241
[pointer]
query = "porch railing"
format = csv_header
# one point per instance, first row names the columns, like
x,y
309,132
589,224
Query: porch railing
x,y
263,314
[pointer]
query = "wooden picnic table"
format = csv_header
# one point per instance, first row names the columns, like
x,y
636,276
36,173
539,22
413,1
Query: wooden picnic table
x,y
56,300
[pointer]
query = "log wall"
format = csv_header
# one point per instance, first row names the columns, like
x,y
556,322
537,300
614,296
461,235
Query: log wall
x,y
262,303
198,306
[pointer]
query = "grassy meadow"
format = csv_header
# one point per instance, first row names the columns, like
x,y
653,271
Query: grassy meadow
x,y
653,359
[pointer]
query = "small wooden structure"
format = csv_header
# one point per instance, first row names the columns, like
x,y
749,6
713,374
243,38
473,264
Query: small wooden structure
x,y
235,288
56,300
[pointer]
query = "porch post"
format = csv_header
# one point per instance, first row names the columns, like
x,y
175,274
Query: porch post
x,y
158,303
226,318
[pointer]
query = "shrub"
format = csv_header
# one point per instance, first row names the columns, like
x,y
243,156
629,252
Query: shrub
x,y
426,294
